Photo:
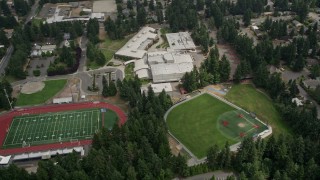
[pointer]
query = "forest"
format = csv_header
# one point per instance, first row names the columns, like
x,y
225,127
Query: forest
x,y
137,150
140,149
23,38
67,62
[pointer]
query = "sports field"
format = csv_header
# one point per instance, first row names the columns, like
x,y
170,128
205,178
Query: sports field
x,y
65,126
252,100
204,121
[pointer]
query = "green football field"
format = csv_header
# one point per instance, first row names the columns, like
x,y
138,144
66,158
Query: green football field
x,y
204,121
66,126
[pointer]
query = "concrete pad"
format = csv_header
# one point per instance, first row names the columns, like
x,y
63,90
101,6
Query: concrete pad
x,y
32,87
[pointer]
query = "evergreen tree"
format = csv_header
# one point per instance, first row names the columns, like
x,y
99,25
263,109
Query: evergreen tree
x,y
141,16
105,90
247,18
112,89
224,69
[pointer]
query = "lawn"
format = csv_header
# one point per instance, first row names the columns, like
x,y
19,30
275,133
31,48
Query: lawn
x,y
110,118
37,22
129,73
92,65
51,88
109,46
248,98
194,123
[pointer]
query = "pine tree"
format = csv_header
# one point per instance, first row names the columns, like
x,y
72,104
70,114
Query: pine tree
x,y
247,18
224,69
112,89
105,90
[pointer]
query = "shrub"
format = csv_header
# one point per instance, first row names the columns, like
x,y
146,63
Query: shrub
x,y
36,72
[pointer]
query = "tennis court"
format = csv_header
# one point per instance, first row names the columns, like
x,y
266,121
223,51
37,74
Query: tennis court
x,y
65,126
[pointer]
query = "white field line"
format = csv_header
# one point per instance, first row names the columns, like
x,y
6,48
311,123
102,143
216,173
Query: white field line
x,y
91,127
54,127
46,134
57,123
5,141
24,129
245,118
16,131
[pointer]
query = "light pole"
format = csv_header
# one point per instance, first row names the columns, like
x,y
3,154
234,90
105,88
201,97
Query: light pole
x,y
5,91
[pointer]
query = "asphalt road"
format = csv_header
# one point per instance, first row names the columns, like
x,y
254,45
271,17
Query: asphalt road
x,y
83,46
305,95
5,60
87,78
32,12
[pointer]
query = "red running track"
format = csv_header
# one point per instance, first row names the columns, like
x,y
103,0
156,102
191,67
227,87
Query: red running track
x,y
6,119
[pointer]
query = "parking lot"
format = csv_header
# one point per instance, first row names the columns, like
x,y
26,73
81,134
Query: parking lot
x,y
47,10
41,64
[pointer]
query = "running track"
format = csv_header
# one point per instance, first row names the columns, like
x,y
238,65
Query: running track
x,y
5,121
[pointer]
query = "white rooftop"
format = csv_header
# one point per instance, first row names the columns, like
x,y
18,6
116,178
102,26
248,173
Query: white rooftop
x,y
62,100
48,47
137,45
158,69
99,16
4,160
255,27
143,73
168,57
48,154
180,41
157,88
297,101
140,64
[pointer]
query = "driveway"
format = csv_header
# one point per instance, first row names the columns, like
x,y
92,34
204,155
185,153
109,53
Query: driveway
x,y
83,59
291,75
305,95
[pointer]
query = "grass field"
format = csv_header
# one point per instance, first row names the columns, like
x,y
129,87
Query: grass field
x,y
129,72
248,98
56,127
198,124
51,88
110,118
108,47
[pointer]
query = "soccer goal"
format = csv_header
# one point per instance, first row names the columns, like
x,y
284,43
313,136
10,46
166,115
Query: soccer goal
x,y
25,144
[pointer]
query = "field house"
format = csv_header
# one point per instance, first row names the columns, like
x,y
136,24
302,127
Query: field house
x,y
204,120
26,132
